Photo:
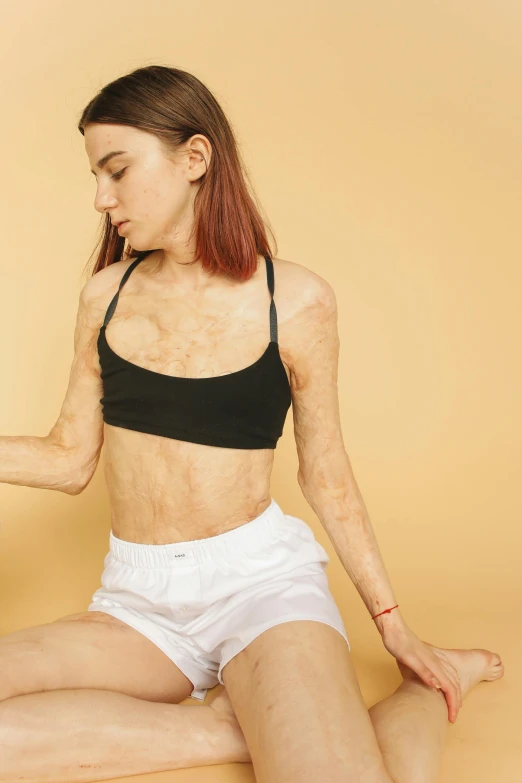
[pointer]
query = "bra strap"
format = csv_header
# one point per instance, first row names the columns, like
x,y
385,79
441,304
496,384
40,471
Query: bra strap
x,y
112,306
273,312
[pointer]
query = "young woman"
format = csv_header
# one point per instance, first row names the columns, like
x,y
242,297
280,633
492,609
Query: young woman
x,y
186,370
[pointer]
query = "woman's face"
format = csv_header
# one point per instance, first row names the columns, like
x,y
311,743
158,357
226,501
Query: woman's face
x,y
155,193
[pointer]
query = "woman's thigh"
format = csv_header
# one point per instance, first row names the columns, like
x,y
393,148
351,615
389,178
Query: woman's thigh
x,y
88,650
298,702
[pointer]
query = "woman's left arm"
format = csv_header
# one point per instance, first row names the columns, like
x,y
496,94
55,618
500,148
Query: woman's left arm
x,y
328,484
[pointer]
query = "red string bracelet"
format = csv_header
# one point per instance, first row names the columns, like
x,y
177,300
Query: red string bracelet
x,y
385,611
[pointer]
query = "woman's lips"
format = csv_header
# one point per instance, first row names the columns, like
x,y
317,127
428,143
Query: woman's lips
x,y
122,225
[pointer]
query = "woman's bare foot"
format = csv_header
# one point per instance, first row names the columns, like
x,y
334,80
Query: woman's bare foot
x,y
223,706
472,666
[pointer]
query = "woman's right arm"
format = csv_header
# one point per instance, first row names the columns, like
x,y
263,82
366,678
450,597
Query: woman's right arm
x,y
66,458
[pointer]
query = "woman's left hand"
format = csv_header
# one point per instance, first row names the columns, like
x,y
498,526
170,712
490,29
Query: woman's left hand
x,y
428,662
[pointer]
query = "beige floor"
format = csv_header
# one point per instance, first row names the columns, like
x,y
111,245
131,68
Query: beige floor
x,y
483,746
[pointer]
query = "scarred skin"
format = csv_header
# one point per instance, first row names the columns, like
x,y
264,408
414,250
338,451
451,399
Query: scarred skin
x,y
164,490
174,318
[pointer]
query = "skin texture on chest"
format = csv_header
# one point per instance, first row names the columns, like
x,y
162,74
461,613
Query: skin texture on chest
x,y
162,489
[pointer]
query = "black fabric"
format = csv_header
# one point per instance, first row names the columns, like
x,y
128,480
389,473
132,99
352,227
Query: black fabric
x,y
241,410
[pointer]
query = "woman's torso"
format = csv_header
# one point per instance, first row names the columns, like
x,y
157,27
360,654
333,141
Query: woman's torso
x,y
164,490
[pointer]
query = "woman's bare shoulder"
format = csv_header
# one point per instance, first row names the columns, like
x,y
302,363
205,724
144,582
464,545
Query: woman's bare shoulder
x,y
298,286
105,282
101,287
307,310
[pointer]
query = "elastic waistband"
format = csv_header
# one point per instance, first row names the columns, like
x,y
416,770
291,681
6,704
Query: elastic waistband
x,y
258,532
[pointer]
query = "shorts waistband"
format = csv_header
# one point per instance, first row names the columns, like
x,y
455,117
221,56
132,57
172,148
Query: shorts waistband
x,y
257,532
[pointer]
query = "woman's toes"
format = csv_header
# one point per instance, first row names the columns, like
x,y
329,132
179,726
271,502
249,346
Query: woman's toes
x,y
472,666
496,669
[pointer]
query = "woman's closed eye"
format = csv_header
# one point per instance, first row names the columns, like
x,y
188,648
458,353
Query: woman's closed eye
x,y
119,174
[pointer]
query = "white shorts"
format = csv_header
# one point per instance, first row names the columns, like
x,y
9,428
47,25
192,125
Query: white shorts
x,y
202,602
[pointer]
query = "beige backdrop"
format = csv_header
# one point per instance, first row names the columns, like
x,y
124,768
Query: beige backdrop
x,y
383,140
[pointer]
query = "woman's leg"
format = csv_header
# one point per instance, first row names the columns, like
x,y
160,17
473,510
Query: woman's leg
x,y
410,725
86,735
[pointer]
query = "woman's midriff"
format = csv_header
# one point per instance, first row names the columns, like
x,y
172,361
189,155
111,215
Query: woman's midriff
x,y
164,491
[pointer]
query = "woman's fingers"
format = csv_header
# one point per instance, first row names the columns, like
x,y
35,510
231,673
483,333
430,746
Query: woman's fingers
x,y
441,676
453,675
451,690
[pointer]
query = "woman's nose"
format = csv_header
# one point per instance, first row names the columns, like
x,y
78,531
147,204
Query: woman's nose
x,y
103,201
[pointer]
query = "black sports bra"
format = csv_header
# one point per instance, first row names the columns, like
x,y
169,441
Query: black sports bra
x,y
241,410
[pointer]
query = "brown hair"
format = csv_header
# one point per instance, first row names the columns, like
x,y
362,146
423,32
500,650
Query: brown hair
x,y
174,105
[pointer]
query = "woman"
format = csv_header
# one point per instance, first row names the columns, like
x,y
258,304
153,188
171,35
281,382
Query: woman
x,y
186,370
